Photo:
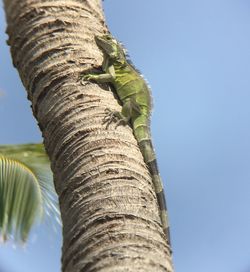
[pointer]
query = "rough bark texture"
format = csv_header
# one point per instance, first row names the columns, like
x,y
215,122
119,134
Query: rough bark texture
x,y
108,205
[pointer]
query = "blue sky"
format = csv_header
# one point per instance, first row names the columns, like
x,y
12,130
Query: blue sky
x,y
196,56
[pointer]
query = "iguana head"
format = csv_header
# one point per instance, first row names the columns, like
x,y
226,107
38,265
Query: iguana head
x,y
111,47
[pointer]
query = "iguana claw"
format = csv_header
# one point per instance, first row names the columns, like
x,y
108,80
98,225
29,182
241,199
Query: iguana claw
x,y
113,116
86,78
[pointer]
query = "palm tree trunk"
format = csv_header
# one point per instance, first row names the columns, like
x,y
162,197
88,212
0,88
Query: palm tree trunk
x,y
107,201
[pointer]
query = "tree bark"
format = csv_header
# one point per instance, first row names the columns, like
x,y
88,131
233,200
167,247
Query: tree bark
x,y
108,204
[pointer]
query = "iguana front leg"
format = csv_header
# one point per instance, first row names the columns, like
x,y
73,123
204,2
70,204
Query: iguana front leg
x,y
107,77
102,78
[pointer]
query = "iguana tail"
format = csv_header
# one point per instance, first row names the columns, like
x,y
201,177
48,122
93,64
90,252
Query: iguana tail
x,y
142,134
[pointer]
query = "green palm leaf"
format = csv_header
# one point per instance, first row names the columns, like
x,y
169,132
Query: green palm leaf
x,y
26,189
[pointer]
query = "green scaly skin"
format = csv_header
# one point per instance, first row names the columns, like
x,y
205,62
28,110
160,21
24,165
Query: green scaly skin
x,y
134,95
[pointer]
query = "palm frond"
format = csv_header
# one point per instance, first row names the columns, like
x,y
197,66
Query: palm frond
x,y
26,189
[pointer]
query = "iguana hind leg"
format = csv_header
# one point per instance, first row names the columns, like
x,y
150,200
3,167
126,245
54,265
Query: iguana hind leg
x,y
129,108
114,117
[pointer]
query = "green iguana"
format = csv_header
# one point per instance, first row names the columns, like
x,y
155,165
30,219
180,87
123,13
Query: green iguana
x,y
134,95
